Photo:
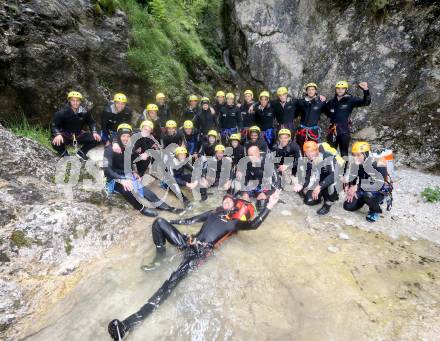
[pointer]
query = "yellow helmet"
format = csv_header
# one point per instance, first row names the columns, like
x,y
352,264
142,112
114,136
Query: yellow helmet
x,y
188,124
249,92
124,128
180,150
220,94
160,95
282,91
342,84
255,128
147,123
219,148
204,100
152,107
264,94
285,132
119,97
75,94
230,95
311,85
212,133
360,147
193,98
171,124
236,137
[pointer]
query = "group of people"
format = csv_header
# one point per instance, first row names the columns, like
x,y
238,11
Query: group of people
x,y
207,141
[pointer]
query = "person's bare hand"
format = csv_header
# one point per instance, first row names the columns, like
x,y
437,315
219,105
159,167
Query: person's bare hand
x,y
127,184
58,140
116,148
297,187
315,193
97,137
363,85
273,199
322,98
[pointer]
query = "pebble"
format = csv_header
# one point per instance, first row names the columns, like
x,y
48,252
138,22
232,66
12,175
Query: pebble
x,y
343,236
332,249
286,213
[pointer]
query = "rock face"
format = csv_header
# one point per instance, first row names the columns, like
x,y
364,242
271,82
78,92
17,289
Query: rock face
x,y
44,232
396,49
48,48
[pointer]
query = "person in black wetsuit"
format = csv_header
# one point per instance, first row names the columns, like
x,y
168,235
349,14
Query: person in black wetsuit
x,y
164,110
310,109
233,216
206,119
339,110
128,184
151,114
237,149
368,186
265,118
67,128
284,109
115,113
285,148
191,138
213,169
247,115
319,177
229,118
172,135
191,111
209,144
255,140
219,101
145,143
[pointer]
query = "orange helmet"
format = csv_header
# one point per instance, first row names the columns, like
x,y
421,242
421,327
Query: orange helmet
x,y
310,146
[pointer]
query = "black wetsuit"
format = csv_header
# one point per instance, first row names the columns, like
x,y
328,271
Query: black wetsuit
x,y
69,125
265,119
141,146
192,141
218,106
205,121
309,110
290,150
208,149
248,119
213,168
339,111
164,113
216,226
158,127
260,143
237,154
114,170
189,114
167,139
284,113
110,120
230,117
372,198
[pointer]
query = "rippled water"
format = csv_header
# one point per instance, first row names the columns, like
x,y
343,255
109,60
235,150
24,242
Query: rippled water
x,y
277,283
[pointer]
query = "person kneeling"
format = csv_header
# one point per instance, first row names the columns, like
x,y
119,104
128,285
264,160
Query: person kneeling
x,y
127,185
325,188
356,196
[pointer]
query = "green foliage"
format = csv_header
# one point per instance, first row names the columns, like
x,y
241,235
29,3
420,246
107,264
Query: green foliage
x,y
379,5
68,245
431,194
22,127
18,239
105,6
166,47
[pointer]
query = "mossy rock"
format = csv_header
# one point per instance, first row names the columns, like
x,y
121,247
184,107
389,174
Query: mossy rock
x,y
19,239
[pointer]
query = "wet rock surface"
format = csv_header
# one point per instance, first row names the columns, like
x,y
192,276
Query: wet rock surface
x,y
395,49
46,236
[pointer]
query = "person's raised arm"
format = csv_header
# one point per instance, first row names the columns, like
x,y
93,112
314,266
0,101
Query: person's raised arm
x,y
255,223
366,100
193,220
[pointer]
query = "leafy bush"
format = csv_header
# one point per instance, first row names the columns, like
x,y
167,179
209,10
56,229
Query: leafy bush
x,y
431,194
22,127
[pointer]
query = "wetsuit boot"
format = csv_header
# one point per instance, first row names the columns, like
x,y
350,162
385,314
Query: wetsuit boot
x,y
324,209
149,212
158,258
165,207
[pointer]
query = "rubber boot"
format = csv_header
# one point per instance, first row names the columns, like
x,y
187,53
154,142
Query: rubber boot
x,y
165,207
149,212
372,217
117,330
158,258
261,204
324,209
80,154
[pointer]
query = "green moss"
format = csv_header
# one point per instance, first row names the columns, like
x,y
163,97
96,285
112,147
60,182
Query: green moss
x,y
68,245
167,47
101,7
22,127
431,194
19,239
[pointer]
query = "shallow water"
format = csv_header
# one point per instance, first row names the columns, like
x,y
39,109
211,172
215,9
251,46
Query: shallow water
x,y
280,282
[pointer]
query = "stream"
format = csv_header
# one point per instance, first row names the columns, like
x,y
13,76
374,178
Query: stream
x,y
289,279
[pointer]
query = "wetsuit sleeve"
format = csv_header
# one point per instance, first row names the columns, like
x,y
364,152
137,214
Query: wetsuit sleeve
x,y
104,125
362,102
239,120
193,220
253,224
91,122
108,159
56,122
329,179
326,109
